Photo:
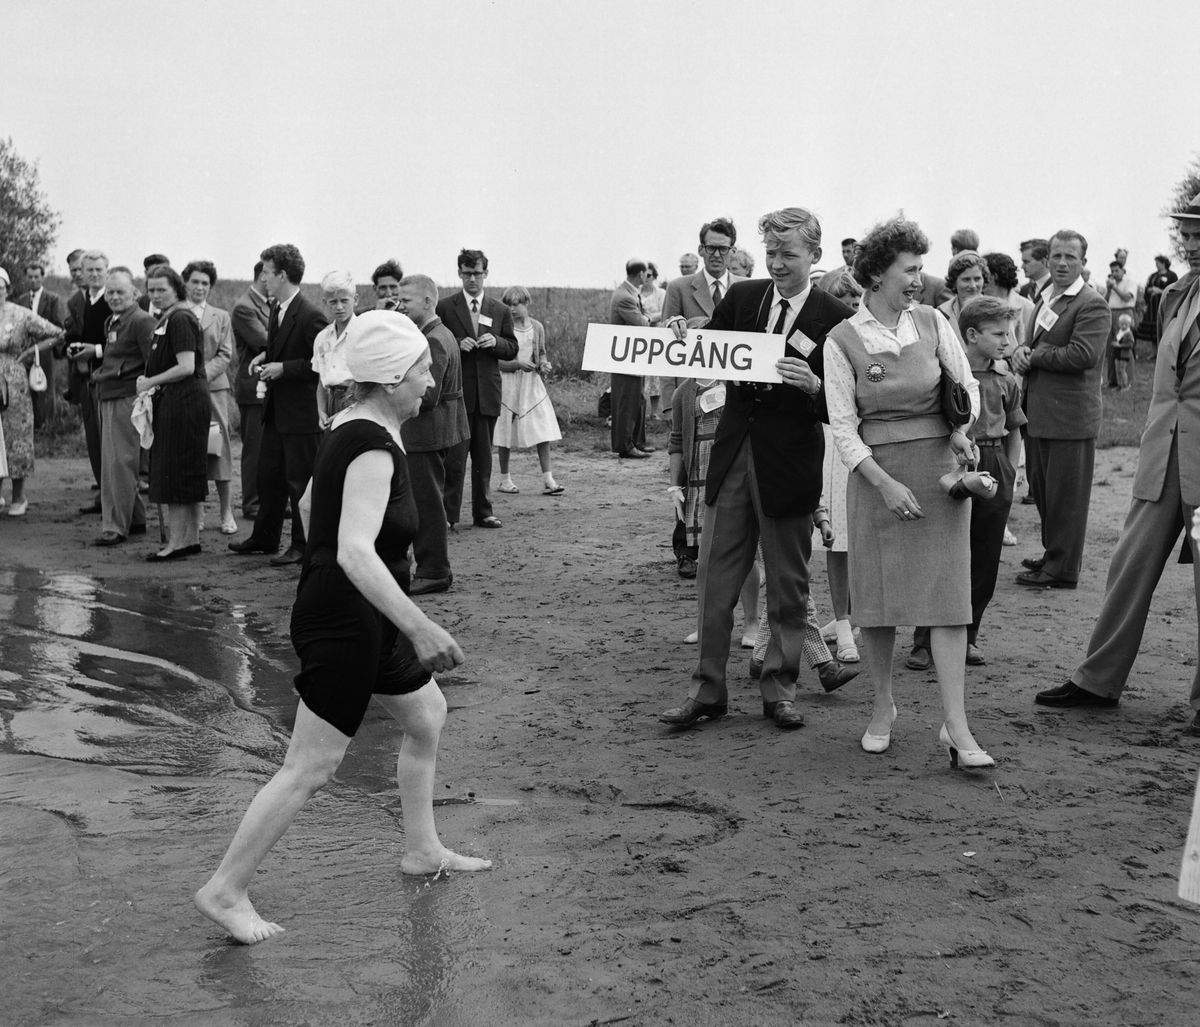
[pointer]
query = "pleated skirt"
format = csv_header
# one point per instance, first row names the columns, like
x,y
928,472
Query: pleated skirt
x,y
179,456
914,572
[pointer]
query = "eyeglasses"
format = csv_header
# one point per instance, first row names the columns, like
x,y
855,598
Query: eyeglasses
x,y
472,274
716,251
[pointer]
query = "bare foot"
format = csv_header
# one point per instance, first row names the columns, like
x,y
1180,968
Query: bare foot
x,y
236,915
421,863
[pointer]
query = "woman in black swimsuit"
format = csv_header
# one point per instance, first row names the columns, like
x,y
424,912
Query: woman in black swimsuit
x,y
353,626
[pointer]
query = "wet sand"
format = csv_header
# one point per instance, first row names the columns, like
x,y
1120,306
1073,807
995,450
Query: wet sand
x,y
728,875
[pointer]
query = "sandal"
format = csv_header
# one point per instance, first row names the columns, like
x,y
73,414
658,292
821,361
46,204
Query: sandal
x,y
558,490
511,490
848,653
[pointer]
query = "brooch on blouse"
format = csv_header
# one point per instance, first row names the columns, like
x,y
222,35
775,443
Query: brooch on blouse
x,y
876,372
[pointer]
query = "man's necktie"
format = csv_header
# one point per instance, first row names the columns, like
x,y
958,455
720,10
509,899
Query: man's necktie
x,y
272,325
641,305
716,294
475,315
1190,333
783,313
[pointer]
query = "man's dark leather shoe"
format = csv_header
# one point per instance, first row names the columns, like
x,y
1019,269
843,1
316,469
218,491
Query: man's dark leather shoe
x,y
1028,500
423,586
288,556
1193,728
919,659
109,538
1069,695
784,713
1033,563
91,508
635,454
1040,579
489,522
833,674
137,529
756,667
687,567
252,545
691,711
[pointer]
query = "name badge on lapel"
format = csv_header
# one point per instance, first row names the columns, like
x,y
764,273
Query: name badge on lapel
x,y
1046,318
485,321
798,340
713,399
112,337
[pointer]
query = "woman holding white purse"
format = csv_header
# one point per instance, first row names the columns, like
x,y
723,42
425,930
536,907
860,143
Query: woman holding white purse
x,y
22,335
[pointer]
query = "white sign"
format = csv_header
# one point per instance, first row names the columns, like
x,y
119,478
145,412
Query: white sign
x,y
730,356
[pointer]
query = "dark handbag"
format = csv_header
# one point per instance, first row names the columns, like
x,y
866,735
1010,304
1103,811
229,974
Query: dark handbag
x,y
956,401
3,394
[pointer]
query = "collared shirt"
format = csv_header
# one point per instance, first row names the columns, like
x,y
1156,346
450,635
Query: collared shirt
x,y
710,281
473,299
1074,289
286,303
794,305
329,355
1115,302
35,298
198,309
841,384
92,300
1040,285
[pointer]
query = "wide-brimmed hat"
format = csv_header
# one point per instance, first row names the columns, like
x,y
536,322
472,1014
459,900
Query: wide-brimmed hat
x,y
1191,212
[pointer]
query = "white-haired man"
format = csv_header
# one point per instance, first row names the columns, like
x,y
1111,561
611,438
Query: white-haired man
x,y
128,335
87,313
430,437
764,475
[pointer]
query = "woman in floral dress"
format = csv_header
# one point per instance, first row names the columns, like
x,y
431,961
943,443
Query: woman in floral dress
x,y
22,334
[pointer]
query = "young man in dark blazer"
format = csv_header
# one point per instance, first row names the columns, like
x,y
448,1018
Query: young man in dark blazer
x,y
483,329
1067,331
628,429
1166,493
291,431
764,474
83,346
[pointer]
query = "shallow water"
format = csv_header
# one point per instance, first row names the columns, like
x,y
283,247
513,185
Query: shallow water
x,y
134,728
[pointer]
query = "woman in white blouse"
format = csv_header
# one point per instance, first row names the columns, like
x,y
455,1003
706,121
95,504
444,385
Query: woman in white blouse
x,y
910,558
329,356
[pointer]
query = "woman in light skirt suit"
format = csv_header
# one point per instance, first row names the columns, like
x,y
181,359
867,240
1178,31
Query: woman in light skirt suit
x,y
910,555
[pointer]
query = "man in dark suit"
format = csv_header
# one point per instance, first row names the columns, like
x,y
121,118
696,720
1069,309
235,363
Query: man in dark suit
x,y
483,329
431,436
764,474
1061,363
1035,262
250,316
290,429
49,305
1166,493
628,428
87,313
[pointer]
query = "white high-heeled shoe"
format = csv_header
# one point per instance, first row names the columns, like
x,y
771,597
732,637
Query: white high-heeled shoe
x,y
878,743
970,759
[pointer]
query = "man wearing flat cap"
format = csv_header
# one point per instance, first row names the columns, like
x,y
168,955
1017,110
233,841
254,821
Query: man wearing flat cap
x,y
1166,492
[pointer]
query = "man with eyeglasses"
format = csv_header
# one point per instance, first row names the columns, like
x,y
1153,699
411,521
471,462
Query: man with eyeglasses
x,y
483,329
695,297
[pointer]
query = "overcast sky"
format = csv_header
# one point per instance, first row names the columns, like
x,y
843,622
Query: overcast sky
x,y
563,137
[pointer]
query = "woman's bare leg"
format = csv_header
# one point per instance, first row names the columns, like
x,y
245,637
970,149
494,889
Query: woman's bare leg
x,y
18,491
543,452
421,715
879,645
838,567
225,494
502,453
313,755
949,648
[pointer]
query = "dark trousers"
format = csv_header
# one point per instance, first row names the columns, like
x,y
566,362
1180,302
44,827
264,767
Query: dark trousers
x,y
628,413
679,542
1060,481
44,402
89,413
427,474
285,464
479,449
250,432
733,526
989,517
1149,539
